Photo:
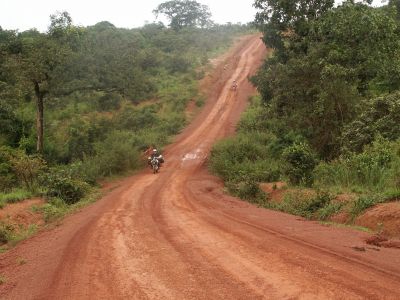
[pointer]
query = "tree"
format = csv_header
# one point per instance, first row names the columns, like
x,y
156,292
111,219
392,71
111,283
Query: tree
x,y
38,62
315,85
184,13
287,19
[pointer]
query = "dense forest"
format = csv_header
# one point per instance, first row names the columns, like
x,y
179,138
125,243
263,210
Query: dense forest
x,y
328,116
82,103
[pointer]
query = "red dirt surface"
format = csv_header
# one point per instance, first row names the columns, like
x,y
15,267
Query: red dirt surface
x,y
176,235
384,218
20,213
275,190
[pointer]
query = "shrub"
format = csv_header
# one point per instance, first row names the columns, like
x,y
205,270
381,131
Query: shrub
x,y
7,177
300,163
377,168
26,167
363,203
6,232
308,206
60,184
329,210
381,116
14,196
54,209
109,101
247,189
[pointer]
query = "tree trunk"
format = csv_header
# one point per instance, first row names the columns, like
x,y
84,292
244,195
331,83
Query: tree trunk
x,y
39,118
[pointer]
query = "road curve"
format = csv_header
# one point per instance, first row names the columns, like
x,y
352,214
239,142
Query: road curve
x,y
177,235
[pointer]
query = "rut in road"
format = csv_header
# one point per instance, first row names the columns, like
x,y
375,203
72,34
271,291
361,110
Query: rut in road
x,y
176,235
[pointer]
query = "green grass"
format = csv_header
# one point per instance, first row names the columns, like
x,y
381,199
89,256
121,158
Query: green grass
x,y
55,209
338,225
14,196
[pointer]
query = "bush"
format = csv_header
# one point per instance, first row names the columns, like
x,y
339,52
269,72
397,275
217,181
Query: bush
x,y
376,169
115,154
110,101
381,116
300,164
302,204
330,209
6,233
60,184
247,189
54,209
363,203
7,178
14,196
26,167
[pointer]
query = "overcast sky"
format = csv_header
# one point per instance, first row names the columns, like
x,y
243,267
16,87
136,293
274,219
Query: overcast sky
x,y
26,14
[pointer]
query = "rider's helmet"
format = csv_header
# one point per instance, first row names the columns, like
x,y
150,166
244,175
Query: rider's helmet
x,y
154,150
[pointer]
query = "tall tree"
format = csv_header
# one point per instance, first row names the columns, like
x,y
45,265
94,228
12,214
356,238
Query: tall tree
x,y
38,63
287,19
184,13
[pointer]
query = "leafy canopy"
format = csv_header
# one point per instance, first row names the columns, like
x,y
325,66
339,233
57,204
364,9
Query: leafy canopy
x,y
185,13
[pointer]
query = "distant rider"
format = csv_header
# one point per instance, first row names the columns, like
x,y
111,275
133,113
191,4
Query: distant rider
x,y
159,157
234,85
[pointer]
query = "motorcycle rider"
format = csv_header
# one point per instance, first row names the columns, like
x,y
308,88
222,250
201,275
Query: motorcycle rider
x,y
159,157
234,85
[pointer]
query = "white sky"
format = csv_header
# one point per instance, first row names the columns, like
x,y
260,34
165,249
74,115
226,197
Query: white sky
x,y
27,14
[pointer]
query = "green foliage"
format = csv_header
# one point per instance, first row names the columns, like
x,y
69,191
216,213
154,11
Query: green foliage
x,y
362,203
14,196
7,177
108,93
6,233
376,169
17,164
184,13
244,155
308,206
109,101
59,184
54,209
300,164
247,189
325,65
380,116
330,209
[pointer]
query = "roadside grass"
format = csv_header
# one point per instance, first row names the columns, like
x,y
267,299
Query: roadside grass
x,y
55,208
53,211
14,196
11,234
339,225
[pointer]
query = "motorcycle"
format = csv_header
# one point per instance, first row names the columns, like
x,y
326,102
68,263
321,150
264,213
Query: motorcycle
x,y
234,87
155,165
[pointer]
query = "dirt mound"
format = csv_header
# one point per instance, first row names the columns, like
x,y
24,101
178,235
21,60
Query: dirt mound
x,y
21,214
382,241
275,190
384,218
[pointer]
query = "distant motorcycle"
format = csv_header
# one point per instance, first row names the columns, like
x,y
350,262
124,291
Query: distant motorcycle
x,y
155,163
234,86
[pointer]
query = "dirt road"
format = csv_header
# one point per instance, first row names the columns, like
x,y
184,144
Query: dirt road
x,y
176,235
